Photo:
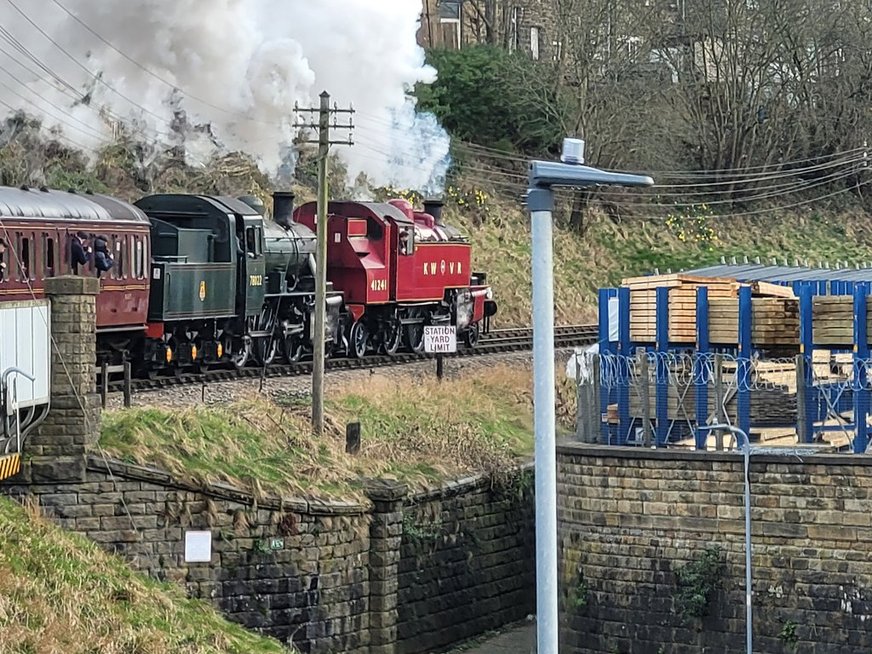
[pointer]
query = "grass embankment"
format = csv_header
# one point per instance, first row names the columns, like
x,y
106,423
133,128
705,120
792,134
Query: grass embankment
x,y
611,249
416,430
60,593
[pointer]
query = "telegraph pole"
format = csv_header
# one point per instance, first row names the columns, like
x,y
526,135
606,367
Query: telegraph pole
x,y
323,126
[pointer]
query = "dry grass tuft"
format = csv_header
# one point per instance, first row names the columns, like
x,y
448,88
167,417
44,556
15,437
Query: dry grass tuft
x,y
61,594
418,431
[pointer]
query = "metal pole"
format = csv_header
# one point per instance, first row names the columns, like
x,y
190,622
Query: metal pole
x,y
320,269
546,459
746,451
748,628
540,201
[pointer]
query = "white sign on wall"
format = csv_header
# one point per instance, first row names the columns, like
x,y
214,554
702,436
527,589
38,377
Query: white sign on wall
x,y
440,340
25,343
198,546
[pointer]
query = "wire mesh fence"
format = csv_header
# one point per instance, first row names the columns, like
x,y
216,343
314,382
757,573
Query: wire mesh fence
x,y
663,398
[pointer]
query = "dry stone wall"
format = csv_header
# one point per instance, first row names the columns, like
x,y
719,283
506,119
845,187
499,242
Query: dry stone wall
x,y
630,520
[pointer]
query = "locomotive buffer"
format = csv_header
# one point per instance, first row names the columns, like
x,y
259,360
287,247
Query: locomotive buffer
x,y
543,177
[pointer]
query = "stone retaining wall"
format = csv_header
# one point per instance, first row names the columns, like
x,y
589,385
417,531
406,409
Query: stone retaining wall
x,y
467,563
630,519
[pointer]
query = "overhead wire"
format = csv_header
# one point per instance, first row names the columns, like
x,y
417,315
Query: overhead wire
x,y
88,71
749,170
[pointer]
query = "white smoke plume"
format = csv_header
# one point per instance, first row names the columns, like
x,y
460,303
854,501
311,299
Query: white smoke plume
x,y
238,66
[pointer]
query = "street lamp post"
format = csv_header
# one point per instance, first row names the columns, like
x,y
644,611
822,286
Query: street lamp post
x,y
543,177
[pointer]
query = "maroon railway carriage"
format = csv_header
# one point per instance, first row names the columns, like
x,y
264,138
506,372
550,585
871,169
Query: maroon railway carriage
x,y
37,226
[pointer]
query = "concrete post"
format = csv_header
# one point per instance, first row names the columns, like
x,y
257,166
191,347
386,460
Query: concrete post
x,y
57,449
385,536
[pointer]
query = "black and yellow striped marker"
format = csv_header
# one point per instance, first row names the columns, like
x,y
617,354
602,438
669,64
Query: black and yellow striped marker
x,y
10,465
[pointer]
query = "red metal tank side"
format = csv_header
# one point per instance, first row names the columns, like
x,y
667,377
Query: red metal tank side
x,y
357,250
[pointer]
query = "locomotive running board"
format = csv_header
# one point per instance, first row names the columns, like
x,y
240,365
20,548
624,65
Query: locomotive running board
x,y
10,465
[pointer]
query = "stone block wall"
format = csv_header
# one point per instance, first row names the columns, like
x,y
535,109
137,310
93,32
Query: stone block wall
x,y
630,518
390,574
467,563
296,570
57,446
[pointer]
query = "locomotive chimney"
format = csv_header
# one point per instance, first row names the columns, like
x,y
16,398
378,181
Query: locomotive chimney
x,y
434,206
283,208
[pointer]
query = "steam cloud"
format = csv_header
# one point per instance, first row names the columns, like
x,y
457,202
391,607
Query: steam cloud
x,y
238,66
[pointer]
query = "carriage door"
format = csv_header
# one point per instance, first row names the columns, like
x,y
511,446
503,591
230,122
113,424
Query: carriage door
x,y
251,266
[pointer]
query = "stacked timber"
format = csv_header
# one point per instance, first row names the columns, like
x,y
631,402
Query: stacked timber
x,y
775,310
774,321
833,320
682,304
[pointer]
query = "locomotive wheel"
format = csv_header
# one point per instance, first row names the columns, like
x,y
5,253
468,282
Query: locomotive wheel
x,y
265,350
472,335
293,349
359,337
239,357
393,338
415,338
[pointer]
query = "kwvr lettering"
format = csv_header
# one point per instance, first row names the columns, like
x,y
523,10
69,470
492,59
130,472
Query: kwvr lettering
x,y
453,267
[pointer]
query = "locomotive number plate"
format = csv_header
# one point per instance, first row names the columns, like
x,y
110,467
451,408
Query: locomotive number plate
x,y
255,280
379,285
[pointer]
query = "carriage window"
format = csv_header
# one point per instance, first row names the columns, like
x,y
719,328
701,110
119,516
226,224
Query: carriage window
x,y
3,258
250,241
25,270
140,259
407,241
118,268
48,248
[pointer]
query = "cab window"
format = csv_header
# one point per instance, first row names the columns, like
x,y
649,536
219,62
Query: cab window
x,y
407,241
250,247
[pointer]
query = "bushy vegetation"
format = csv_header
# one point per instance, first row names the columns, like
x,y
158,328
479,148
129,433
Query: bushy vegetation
x,y
495,98
61,593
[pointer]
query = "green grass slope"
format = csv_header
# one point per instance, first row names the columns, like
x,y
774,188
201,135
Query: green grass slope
x,y
60,593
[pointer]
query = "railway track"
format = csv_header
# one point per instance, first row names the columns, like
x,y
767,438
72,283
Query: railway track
x,y
497,342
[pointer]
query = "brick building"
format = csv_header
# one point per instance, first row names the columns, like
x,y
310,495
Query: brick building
x,y
526,25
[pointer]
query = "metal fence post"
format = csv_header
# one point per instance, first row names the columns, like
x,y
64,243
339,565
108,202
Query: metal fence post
x,y
702,347
802,435
662,329
625,422
645,394
861,356
743,369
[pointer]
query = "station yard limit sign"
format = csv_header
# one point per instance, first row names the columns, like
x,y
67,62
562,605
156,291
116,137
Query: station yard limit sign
x,y
440,340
